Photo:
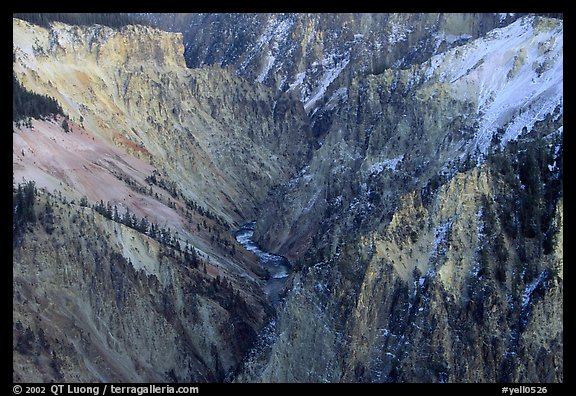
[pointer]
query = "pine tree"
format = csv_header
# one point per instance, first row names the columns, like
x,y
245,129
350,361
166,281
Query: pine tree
x,y
27,105
23,210
153,229
143,226
48,218
127,220
113,20
65,126
108,212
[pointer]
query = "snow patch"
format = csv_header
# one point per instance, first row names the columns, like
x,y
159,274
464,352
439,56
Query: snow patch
x,y
340,95
516,72
480,227
398,33
270,59
440,234
330,74
338,201
390,164
526,296
298,80
312,201
276,32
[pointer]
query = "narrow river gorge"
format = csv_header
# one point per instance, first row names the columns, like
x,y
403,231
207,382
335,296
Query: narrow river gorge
x,y
277,267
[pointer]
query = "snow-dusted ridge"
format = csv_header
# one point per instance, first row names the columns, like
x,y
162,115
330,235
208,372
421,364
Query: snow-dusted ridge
x,y
514,74
276,32
330,74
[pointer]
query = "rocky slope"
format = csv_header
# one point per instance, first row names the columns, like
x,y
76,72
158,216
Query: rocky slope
x,y
216,137
97,301
428,226
317,55
152,168
409,165
414,129
443,294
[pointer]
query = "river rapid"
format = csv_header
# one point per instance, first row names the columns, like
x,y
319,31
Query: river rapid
x,y
278,267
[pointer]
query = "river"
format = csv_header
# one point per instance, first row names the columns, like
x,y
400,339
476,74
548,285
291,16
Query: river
x,y
278,267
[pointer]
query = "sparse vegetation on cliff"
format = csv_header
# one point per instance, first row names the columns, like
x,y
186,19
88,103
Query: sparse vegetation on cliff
x,y
26,104
119,305
114,20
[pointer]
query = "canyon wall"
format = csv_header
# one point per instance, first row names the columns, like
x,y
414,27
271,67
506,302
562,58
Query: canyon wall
x,y
410,166
427,228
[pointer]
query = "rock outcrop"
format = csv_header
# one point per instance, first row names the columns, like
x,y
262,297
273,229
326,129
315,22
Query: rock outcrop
x,y
314,55
137,277
413,129
219,139
445,293
425,229
97,301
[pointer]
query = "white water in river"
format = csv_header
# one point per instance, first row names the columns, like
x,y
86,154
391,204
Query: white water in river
x,y
277,266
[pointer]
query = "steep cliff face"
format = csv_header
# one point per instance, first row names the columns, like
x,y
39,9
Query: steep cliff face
x,y
462,297
218,138
133,274
413,129
426,230
316,56
445,293
409,166
97,301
